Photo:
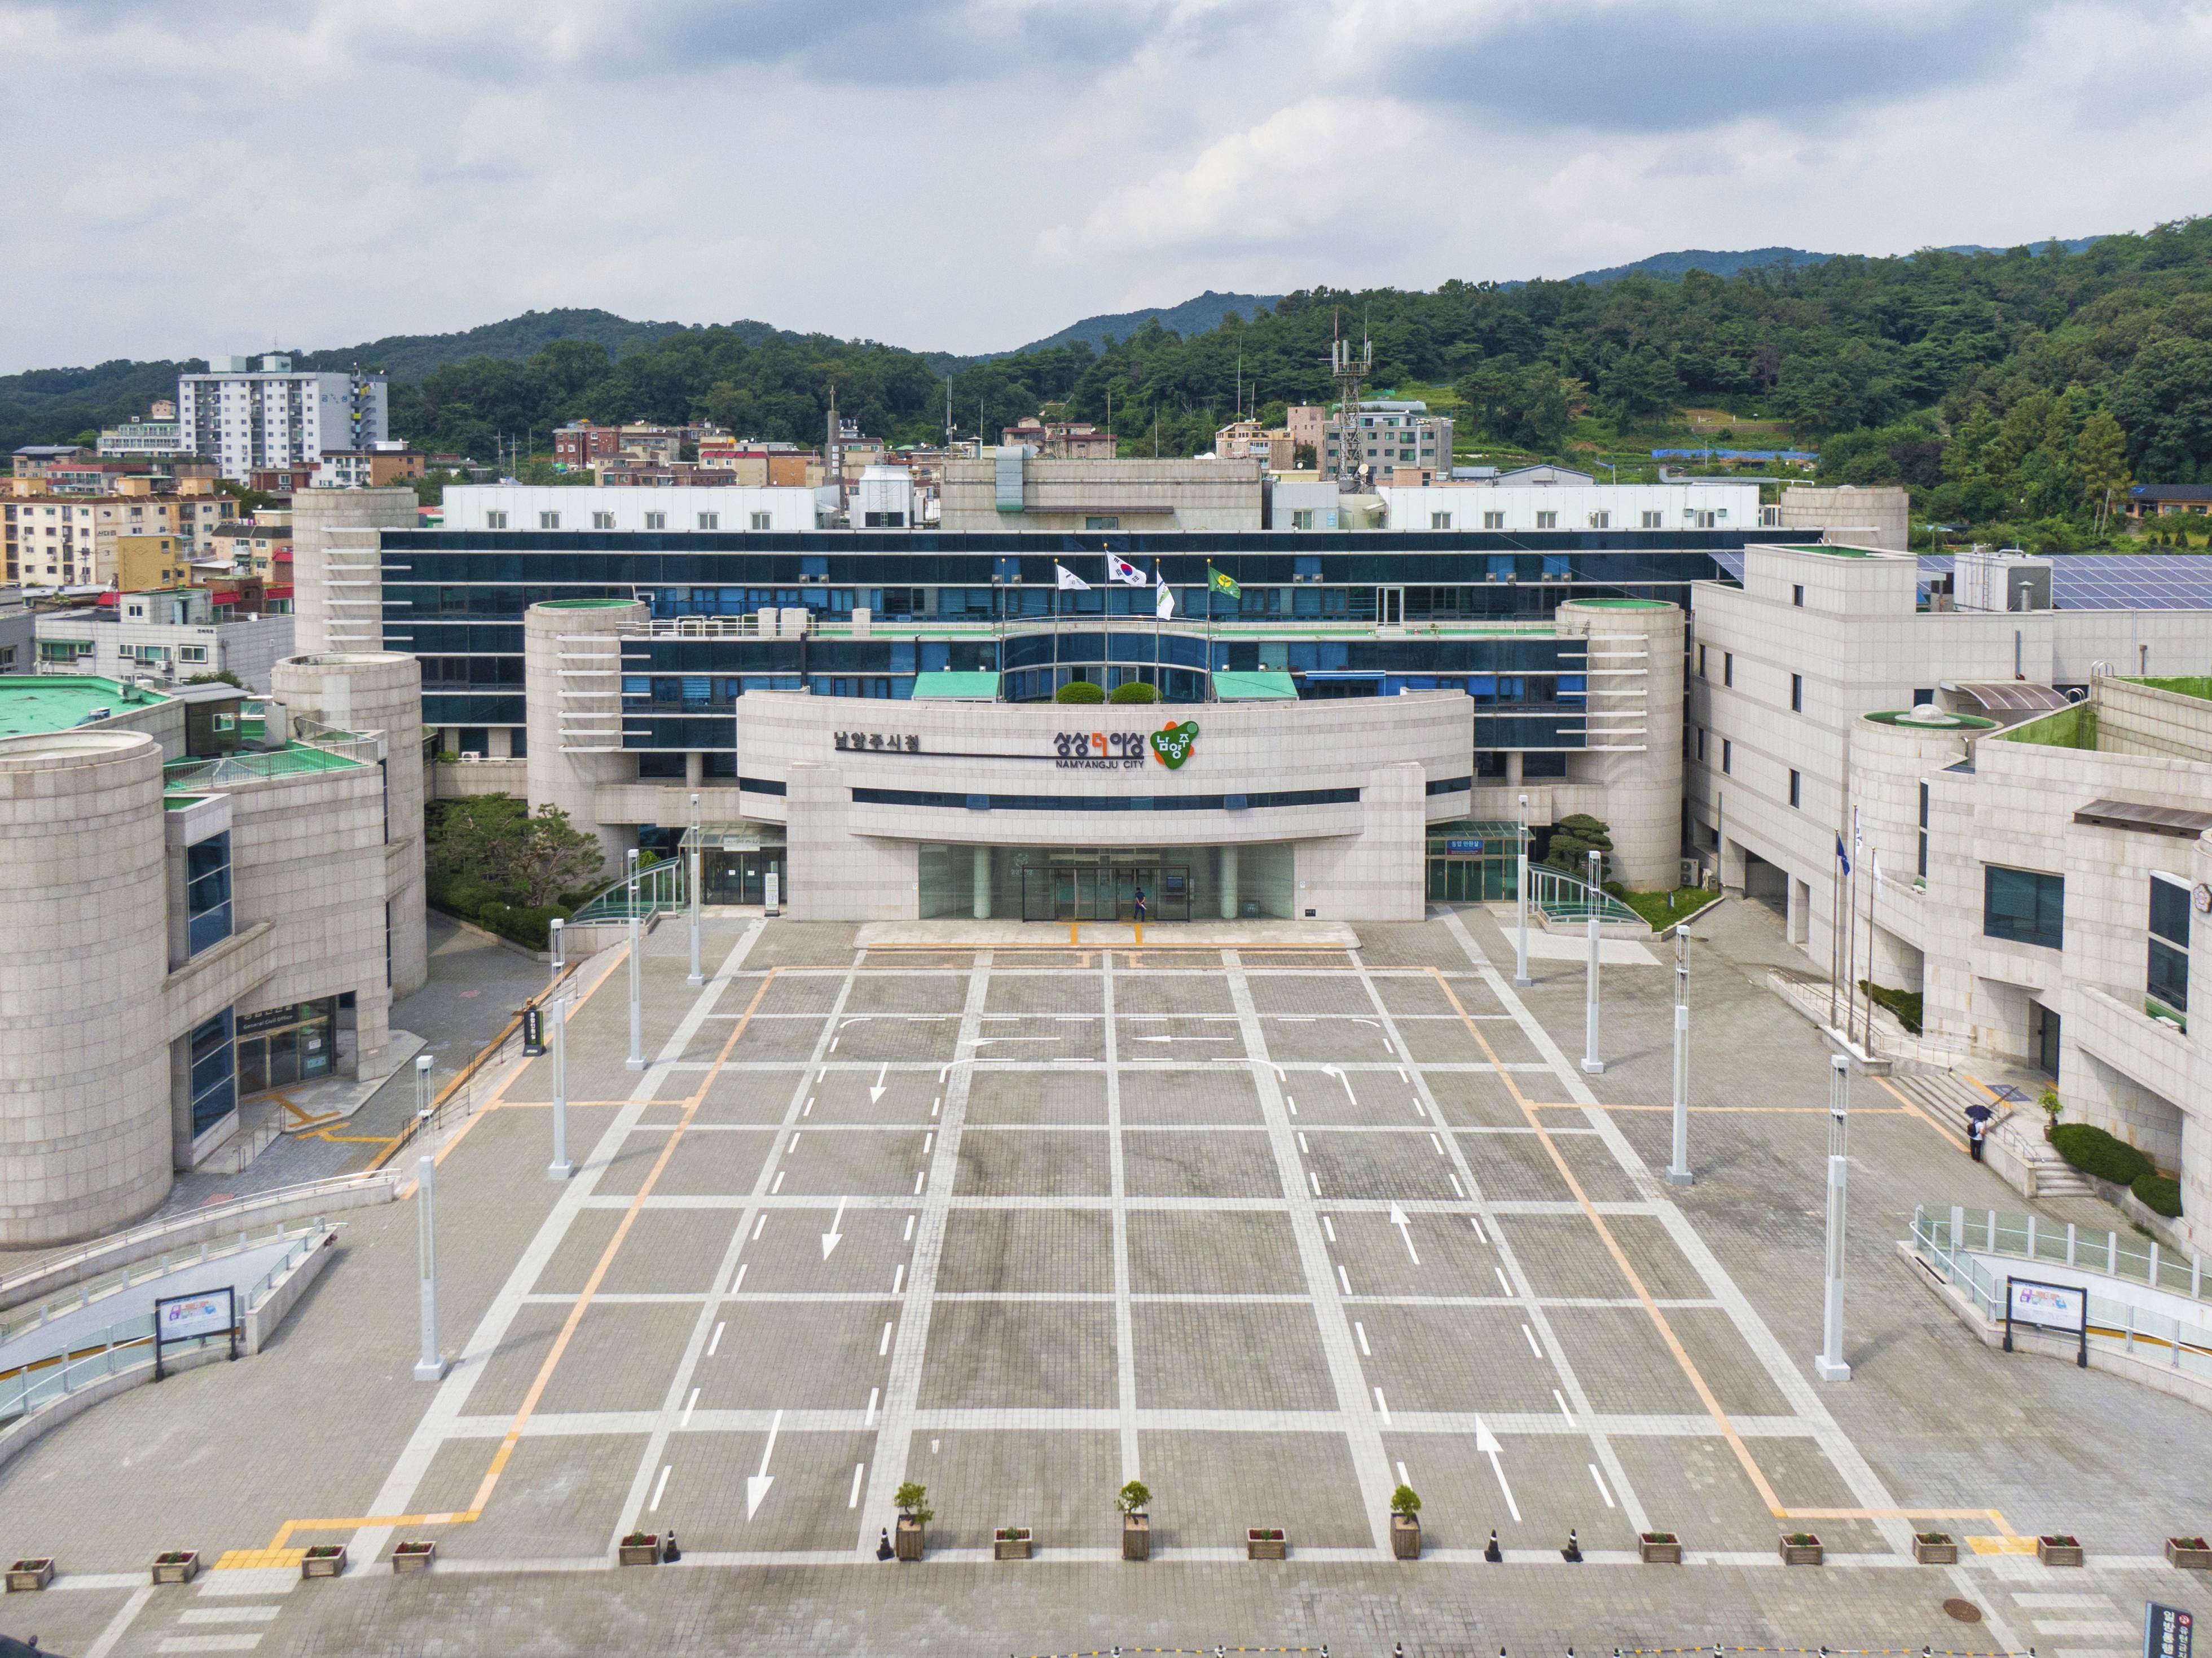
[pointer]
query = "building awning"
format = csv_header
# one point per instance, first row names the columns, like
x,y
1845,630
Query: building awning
x,y
1230,687
742,835
2009,695
956,687
2144,819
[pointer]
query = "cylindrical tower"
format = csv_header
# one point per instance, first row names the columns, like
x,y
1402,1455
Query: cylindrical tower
x,y
337,591
84,1090
377,691
1634,719
571,671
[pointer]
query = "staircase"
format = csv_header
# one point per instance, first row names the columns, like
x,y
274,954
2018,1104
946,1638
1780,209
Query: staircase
x,y
1945,1095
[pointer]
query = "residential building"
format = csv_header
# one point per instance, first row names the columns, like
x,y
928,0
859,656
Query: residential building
x,y
283,481
1060,439
156,434
2163,500
579,445
245,416
368,469
48,540
35,460
1247,440
1387,433
252,548
169,635
1308,425
642,475
19,633
201,900
146,561
650,444
1015,490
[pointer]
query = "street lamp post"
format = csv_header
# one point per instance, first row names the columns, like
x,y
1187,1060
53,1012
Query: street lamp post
x,y
431,1366
636,1059
556,955
1520,978
1677,1172
1828,1365
561,1168
1592,1065
696,977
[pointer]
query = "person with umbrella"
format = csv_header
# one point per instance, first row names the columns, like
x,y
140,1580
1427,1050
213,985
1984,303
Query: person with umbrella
x,y
1978,1129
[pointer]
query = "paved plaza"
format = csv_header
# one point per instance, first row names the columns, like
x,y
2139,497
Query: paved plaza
x,y
1274,1226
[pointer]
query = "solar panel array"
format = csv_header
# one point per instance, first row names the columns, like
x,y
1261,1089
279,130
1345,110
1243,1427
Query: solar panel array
x,y
2094,581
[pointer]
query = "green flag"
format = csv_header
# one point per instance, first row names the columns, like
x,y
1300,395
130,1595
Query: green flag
x,y
1222,584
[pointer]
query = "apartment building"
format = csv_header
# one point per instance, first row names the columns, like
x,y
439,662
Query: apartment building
x,y
245,414
51,540
157,434
1387,433
169,634
1058,439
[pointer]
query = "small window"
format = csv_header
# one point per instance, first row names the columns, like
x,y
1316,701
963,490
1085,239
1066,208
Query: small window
x,y
1797,595
1106,522
1922,865
1493,520
1727,667
549,520
1600,520
1794,799
710,520
1302,517
760,520
1727,755
495,520
603,520
2168,979
1796,693
1547,520
2024,906
1701,743
1652,521
656,520
192,653
1701,662
1923,698
1440,520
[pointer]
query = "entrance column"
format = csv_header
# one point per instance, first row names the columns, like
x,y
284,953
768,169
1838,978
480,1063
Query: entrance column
x,y
983,881
1228,883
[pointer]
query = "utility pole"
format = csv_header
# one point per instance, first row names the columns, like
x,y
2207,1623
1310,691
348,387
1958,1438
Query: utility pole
x,y
696,977
1828,1365
636,1059
1592,1065
1677,1172
1520,978
561,1168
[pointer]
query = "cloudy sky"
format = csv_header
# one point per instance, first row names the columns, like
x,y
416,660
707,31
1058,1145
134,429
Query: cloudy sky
x,y
969,174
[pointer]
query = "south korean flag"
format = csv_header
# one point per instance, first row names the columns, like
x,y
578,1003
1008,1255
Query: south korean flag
x,y
1120,569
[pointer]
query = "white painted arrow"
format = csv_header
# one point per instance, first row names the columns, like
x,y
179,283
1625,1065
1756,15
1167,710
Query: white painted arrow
x,y
1405,1230
756,1487
1486,1444
1337,1072
876,1088
833,1237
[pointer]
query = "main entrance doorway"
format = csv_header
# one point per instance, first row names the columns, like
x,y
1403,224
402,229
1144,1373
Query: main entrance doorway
x,y
1071,891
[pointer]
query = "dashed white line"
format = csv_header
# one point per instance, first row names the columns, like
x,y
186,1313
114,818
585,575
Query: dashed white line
x,y
810,1107
1315,1179
1438,1144
909,1228
1533,1347
1382,1407
659,1486
1402,1480
717,1340
853,1501
1420,1110
778,1186
1457,1187
1475,1221
869,1421
898,1278
690,1404
1329,1227
1564,1411
937,1105
760,1222
920,1174
1305,1151
1292,1103
929,1140
736,1284
1502,1283
884,1346
1343,1279
793,1147
1601,1490
1360,1331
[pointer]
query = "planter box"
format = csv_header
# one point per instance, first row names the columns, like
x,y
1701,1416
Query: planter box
x,y
2187,1552
1267,1543
1936,1554
182,1570
647,1553
1136,1537
2058,1550
1800,1554
1653,1553
333,1564
37,1573
1015,1546
907,1539
413,1557
1405,1537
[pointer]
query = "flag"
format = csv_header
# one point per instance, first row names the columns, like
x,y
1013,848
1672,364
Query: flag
x,y
1164,606
1841,858
1876,856
1222,584
1069,581
1120,569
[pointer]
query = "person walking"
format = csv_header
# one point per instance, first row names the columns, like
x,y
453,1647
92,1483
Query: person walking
x,y
1140,906
1977,1128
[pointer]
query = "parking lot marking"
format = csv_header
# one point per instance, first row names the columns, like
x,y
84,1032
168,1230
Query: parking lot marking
x,y
1564,1411
659,1486
1475,1221
778,1186
919,1176
690,1404
760,1225
869,1420
717,1341
909,1230
1315,1179
810,1107
1303,1149
1502,1283
884,1346
853,1501
898,1278
927,1140
1533,1347
1329,1227
1457,1187
1601,1490
1381,1406
738,1284
1343,1279
1359,1331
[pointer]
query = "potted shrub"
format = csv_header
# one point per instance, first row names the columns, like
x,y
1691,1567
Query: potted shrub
x,y
914,1516
324,1560
36,1572
1266,1543
1934,1548
1659,1548
1801,1548
1011,1543
639,1548
1405,1523
2058,1549
1133,1500
2048,1099
414,1556
2189,1553
177,1566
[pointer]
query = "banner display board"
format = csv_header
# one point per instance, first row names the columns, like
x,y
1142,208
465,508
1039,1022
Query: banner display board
x,y
2166,1631
187,1318
2062,1308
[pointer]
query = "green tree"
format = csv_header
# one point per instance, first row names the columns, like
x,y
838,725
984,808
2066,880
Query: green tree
x,y
2100,458
522,858
1574,837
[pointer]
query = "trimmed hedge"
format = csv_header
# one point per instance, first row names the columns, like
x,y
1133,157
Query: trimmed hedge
x,y
2159,1194
1134,691
472,900
1078,691
2094,1151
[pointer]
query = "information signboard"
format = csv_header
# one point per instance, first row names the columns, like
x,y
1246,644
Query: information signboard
x,y
2063,1309
188,1318
2166,1631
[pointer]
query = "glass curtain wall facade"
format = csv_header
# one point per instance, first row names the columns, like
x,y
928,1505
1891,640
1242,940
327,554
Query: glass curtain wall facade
x,y
1063,883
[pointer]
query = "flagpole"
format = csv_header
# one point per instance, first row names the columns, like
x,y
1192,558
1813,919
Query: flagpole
x,y
1873,890
1835,928
1850,949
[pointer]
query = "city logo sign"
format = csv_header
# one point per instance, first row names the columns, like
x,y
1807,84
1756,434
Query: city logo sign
x,y
1171,744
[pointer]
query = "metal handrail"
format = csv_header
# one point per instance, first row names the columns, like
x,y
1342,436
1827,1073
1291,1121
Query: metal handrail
x,y
2084,1250
660,886
1564,897
99,1289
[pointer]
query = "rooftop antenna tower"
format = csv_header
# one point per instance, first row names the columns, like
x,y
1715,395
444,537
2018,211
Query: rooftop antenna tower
x,y
1349,368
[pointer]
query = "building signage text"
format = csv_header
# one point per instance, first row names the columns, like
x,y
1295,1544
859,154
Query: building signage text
x,y
879,742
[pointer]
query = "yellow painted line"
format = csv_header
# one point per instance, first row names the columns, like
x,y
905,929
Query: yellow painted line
x,y
1984,1087
1621,1259
1736,1110
250,1559
1912,1106
284,1533
544,1376
2006,1545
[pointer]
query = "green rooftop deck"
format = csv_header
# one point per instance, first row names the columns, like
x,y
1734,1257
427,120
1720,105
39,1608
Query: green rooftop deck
x,y
293,760
34,704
